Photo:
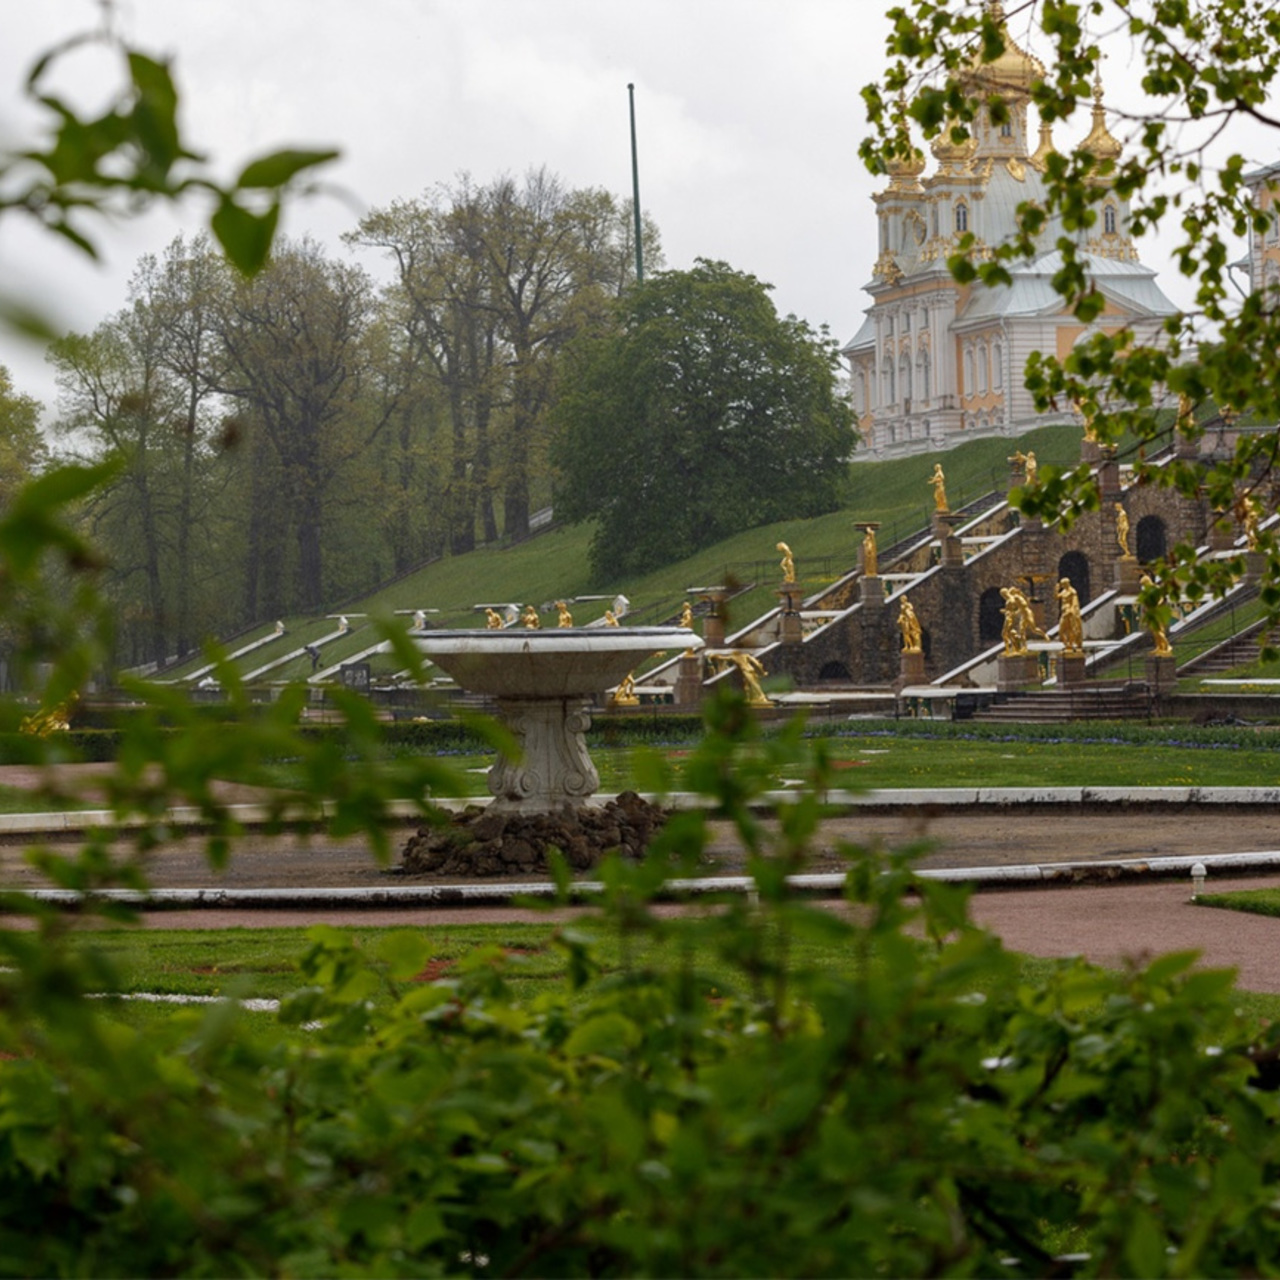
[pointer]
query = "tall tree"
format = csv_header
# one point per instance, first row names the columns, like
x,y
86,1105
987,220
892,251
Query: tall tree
x,y
704,413
23,452
298,365
491,283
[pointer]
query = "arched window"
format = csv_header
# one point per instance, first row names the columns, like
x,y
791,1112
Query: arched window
x,y
1006,129
933,220
997,366
1074,566
861,403
969,383
926,370
1109,219
904,375
990,617
886,381
982,368
1151,539
962,217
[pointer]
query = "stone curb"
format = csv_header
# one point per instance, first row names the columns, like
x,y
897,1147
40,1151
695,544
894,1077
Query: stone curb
x,y
887,798
460,895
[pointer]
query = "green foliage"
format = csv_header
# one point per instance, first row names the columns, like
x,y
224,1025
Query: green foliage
x,y
1208,70
912,1109
704,414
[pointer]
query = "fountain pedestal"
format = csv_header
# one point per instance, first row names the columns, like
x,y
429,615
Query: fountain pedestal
x,y
543,682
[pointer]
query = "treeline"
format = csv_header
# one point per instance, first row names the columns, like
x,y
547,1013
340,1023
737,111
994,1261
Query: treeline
x,y
289,440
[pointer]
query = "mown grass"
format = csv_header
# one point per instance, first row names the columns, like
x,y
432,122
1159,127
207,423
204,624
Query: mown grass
x,y
556,564
1258,902
1174,756
262,963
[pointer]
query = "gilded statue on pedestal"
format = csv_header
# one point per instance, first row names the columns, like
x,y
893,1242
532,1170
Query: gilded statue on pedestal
x,y
529,618
909,625
869,567
625,694
492,620
751,670
610,618
686,616
1027,461
939,482
564,617
1070,624
1122,531
1159,636
788,565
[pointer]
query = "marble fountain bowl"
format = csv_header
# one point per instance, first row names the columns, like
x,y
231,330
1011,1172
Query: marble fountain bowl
x,y
543,682
565,662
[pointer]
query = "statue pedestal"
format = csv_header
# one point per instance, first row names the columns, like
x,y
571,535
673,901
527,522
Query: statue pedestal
x,y
789,628
1162,672
554,769
1015,671
944,527
1090,452
1255,565
911,670
872,590
688,690
1128,571
1070,669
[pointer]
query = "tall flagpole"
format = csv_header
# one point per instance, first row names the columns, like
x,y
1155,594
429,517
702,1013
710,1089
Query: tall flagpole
x,y
635,186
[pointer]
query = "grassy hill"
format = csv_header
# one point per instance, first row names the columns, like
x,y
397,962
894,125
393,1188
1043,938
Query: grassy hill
x,y
555,564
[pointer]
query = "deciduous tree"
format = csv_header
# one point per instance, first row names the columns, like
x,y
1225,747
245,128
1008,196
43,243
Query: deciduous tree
x,y
704,413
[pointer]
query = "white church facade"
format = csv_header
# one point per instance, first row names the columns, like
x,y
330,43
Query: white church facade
x,y
936,362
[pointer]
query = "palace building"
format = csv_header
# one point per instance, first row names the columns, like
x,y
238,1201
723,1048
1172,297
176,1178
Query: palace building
x,y
936,362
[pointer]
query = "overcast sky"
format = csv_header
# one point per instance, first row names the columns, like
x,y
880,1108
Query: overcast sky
x,y
749,118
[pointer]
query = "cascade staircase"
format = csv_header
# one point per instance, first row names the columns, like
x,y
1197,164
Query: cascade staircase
x,y
1231,653
1098,700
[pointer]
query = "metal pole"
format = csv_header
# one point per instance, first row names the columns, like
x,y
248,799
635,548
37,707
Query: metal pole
x,y
635,186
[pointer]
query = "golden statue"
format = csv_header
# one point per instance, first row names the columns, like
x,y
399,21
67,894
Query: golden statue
x,y
1027,461
1122,531
492,620
1251,514
1070,624
610,618
751,671
869,567
1090,423
939,482
529,618
564,617
625,694
686,616
788,565
1019,622
909,625
1159,636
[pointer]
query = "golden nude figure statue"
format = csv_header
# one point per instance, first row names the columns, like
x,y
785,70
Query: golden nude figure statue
x,y
625,694
686,616
869,567
1015,643
909,625
939,482
563,617
1250,516
1070,624
610,618
1159,636
529,618
492,620
752,671
1122,531
1027,461
788,565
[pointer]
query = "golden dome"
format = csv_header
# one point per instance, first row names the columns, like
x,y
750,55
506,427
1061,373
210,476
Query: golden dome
x,y
1100,142
1038,160
1011,74
953,153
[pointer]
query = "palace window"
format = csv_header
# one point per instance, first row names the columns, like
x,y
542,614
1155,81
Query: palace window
x,y
997,366
962,217
1109,219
